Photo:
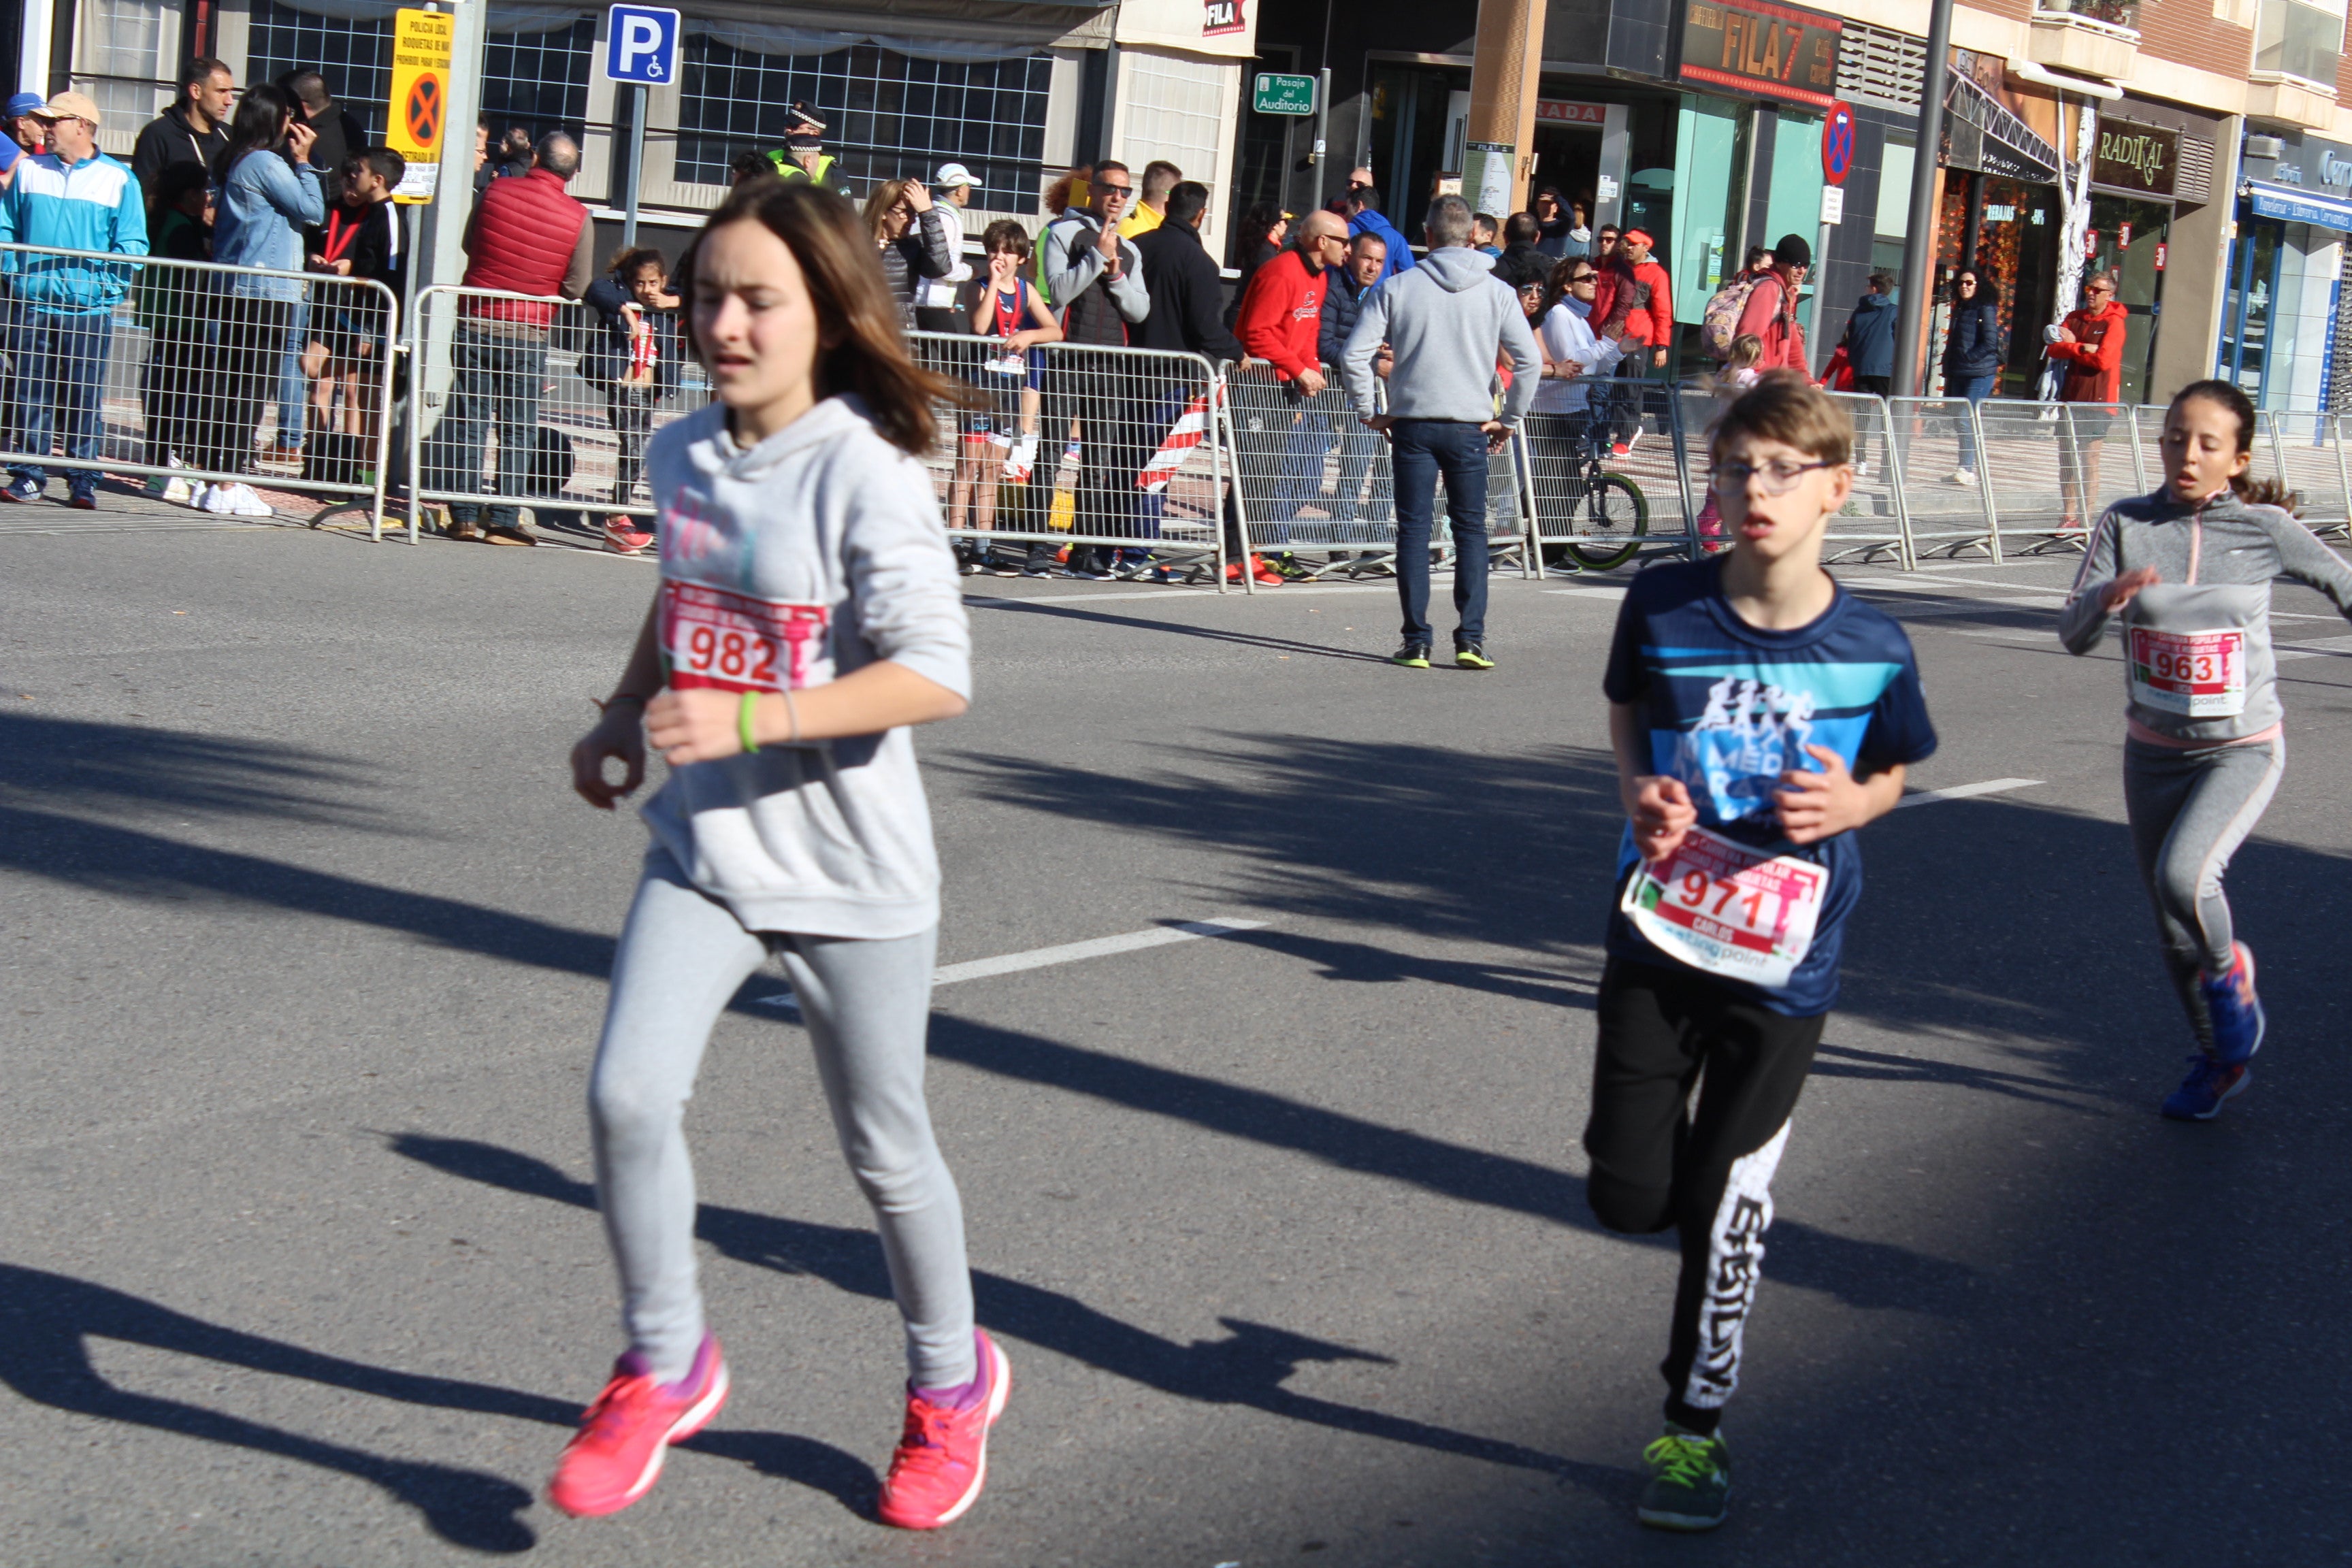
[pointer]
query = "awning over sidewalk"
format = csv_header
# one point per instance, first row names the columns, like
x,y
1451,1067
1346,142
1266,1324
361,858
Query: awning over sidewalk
x,y
2293,205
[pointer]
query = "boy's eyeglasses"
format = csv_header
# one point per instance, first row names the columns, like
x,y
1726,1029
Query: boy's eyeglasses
x,y
1773,478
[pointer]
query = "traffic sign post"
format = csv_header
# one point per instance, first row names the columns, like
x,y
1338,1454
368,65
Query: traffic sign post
x,y
1837,144
417,107
1837,162
641,49
1275,92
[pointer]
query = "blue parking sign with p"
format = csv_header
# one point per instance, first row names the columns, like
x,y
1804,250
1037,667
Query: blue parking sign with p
x,y
641,44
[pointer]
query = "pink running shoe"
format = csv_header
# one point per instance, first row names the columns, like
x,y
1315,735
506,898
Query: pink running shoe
x,y
942,1458
625,1434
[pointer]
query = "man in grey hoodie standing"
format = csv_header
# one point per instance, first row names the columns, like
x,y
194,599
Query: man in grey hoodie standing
x,y
1096,280
1447,322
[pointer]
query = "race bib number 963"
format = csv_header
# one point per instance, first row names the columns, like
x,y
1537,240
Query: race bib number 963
x,y
2200,675
1724,908
733,642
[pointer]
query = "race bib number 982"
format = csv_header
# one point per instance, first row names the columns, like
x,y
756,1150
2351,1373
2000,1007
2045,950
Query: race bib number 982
x,y
734,642
2198,675
1724,908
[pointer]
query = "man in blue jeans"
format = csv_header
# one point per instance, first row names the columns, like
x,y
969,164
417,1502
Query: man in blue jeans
x,y
1447,322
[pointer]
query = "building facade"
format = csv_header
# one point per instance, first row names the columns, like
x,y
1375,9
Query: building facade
x,y
2196,148
1017,90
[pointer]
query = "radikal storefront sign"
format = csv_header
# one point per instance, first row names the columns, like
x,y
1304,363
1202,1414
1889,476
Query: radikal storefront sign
x,y
2138,159
1758,47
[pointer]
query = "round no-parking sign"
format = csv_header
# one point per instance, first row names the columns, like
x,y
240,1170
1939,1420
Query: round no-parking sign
x,y
1837,144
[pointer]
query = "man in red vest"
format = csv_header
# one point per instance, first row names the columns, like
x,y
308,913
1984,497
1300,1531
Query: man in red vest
x,y
526,238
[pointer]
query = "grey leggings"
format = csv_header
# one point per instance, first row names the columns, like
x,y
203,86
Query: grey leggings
x,y
2189,811
867,1003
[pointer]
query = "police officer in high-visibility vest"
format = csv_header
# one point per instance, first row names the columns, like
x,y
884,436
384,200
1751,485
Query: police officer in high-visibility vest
x,y
802,155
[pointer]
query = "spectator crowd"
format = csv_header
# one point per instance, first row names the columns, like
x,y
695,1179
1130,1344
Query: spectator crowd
x,y
1327,332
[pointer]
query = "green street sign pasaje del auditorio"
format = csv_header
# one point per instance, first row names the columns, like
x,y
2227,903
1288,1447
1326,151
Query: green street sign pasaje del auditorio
x,y
1277,93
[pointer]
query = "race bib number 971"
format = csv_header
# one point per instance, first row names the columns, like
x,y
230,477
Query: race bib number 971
x,y
733,642
1724,908
2198,675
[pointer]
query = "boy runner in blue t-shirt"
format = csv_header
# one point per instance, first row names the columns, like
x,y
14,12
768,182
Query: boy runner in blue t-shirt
x,y
1760,714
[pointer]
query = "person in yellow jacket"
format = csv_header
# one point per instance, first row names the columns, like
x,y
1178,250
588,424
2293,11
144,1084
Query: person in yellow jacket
x,y
803,156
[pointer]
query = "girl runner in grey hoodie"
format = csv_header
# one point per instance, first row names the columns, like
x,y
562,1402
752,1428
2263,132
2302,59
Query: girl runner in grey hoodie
x,y
2187,569
808,614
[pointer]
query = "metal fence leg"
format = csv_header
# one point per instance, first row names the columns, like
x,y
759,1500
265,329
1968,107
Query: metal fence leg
x,y
1240,530
1680,432
1984,485
1523,464
1906,553
2343,471
1222,468
2139,462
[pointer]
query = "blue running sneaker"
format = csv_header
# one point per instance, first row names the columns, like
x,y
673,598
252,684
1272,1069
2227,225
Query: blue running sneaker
x,y
2237,1013
2208,1083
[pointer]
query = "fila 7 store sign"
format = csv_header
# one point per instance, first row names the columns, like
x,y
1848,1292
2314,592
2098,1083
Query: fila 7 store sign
x,y
1222,16
1759,47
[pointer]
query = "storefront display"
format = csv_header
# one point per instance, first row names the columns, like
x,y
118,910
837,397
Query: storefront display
x,y
2285,270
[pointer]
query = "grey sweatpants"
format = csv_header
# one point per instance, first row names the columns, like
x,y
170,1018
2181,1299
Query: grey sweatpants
x,y
867,1003
2189,811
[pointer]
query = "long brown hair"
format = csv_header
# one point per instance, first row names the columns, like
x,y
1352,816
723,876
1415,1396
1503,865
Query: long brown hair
x,y
886,195
861,350
2233,399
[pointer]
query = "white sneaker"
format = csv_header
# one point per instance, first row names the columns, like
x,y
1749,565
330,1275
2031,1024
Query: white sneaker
x,y
1861,470
217,499
176,491
246,502
1964,476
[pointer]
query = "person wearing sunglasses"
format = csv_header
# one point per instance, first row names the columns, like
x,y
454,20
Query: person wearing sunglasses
x,y
2088,346
1096,280
1974,351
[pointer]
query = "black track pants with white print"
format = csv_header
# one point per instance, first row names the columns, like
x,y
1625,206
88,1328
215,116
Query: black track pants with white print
x,y
1706,1169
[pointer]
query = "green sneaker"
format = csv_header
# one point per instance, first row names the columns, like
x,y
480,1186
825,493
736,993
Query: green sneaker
x,y
1411,655
1472,656
1690,1482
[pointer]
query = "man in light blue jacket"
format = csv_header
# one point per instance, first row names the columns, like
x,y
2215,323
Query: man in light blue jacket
x,y
71,197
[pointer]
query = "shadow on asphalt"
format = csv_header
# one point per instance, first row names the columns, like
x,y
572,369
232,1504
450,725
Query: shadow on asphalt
x,y
46,1321
1247,1368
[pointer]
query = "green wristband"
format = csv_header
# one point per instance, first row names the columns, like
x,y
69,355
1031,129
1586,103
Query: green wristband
x,y
743,722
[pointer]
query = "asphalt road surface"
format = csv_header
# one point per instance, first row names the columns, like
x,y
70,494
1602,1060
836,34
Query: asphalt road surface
x,y
1282,1226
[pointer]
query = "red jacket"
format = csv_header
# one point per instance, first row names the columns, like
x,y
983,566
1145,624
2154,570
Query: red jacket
x,y
1282,314
1771,314
521,239
2094,360
1651,321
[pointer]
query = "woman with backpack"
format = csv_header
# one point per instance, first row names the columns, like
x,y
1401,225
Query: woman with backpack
x,y
1975,348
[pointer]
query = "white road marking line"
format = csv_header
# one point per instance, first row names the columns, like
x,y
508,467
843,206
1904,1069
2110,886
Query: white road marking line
x,y
1965,792
2314,647
1594,593
1068,952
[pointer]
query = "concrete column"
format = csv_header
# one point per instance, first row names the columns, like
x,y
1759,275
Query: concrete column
x,y
1504,72
2196,277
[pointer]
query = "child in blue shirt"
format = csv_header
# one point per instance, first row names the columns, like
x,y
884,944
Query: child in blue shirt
x,y
1759,714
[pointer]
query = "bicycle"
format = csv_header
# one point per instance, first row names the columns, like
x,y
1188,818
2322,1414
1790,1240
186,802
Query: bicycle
x,y
1607,513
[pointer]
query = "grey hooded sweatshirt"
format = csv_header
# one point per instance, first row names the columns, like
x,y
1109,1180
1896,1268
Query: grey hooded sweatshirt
x,y
1445,320
2197,661
832,838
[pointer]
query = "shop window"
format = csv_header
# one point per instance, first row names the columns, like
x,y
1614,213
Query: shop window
x,y
126,53
535,80
887,116
2298,40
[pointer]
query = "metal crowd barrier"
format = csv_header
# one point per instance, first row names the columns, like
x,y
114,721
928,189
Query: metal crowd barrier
x,y
1593,506
1112,453
2310,449
498,372
170,370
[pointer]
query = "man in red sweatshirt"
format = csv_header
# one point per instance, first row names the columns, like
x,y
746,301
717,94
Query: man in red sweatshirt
x,y
2090,346
1637,288
1280,322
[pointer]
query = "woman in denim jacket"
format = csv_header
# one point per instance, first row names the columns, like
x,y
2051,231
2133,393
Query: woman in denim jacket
x,y
268,195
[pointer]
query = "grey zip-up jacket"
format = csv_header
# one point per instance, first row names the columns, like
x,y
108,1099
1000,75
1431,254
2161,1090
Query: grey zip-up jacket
x,y
1443,319
2197,661
833,838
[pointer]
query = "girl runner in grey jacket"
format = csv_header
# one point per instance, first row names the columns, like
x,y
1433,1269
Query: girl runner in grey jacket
x,y
2187,571
808,613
